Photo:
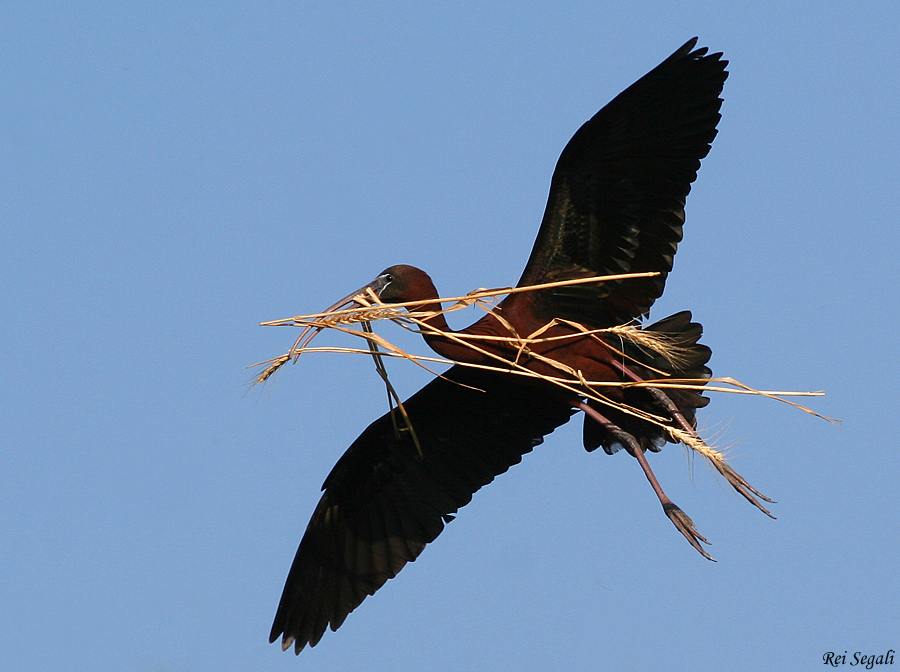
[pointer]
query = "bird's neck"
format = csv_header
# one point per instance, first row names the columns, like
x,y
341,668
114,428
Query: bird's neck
x,y
435,330
455,345
435,323
438,334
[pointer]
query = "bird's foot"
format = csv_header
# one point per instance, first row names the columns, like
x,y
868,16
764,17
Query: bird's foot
x,y
685,525
746,490
734,479
679,518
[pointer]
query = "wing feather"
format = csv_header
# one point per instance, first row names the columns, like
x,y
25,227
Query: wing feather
x,y
617,196
382,504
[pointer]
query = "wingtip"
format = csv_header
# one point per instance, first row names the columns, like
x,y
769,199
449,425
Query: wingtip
x,y
690,50
287,641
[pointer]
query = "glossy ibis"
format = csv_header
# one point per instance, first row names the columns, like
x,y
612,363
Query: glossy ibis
x,y
616,205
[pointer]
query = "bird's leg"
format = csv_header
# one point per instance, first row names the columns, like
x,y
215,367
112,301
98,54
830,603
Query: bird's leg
x,y
679,518
734,479
659,396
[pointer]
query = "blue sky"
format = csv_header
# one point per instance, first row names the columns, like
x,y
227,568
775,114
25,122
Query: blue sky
x,y
173,174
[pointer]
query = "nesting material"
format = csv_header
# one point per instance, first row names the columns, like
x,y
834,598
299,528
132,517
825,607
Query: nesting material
x,y
368,308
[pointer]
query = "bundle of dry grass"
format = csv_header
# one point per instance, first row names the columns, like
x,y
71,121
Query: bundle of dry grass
x,y
411,317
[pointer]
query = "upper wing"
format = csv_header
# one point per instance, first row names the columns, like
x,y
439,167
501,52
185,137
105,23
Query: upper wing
x,y
617,195
383,503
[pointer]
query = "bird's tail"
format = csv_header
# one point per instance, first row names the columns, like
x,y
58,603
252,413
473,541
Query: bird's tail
x,y
679,357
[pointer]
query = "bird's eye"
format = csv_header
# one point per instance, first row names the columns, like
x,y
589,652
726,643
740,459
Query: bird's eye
x,y
388,277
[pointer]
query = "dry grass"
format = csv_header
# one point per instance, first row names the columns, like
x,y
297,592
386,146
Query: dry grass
x,y
367,308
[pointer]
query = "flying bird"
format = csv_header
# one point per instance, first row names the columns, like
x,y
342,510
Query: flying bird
x,y
616,205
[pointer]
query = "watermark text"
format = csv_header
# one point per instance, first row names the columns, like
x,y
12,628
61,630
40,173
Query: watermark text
x,y
868,661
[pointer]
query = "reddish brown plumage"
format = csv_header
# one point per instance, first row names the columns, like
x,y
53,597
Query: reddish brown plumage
x,y
585,354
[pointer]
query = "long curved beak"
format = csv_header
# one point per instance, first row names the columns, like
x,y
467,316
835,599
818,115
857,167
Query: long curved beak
x,y
377,285
309,333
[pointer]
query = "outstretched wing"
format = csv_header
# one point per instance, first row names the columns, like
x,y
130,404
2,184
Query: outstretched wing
x,y
383,503
617,195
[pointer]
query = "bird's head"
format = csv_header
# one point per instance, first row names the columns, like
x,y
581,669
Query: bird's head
x,y
401,283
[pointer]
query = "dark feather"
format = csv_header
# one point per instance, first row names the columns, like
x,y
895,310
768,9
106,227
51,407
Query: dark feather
x,y
691,364
617,195
383,504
